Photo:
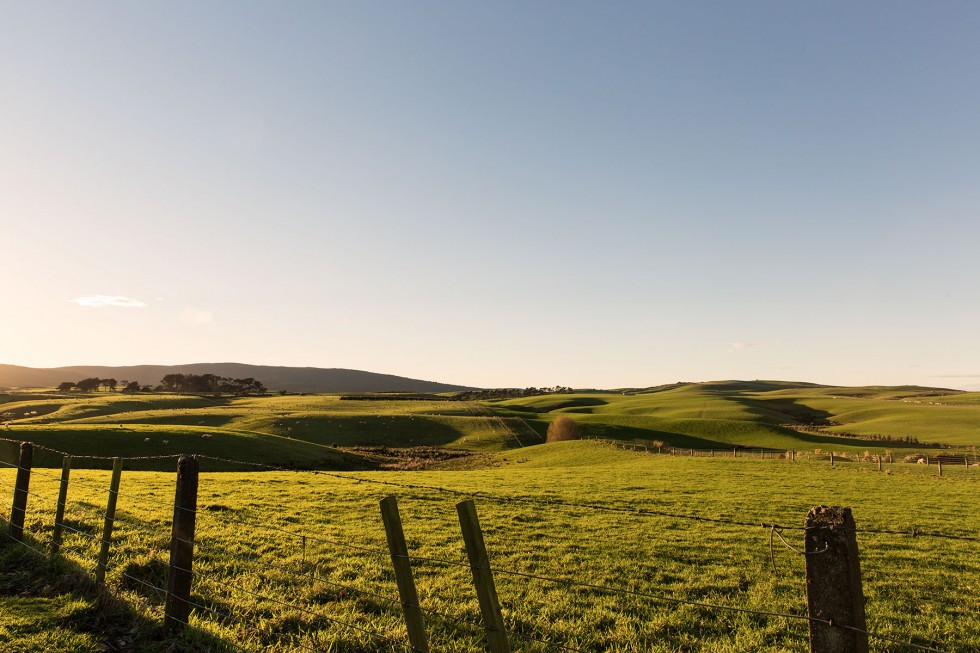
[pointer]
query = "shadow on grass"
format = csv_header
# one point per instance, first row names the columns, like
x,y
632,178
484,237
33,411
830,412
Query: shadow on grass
x,y
53,604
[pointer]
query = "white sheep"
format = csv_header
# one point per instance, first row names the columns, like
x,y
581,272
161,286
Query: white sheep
x,y
146,439
166,441
207,436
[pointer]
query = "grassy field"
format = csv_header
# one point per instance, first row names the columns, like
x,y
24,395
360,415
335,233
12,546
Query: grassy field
x,y
327,432
314,431
253,562
768,414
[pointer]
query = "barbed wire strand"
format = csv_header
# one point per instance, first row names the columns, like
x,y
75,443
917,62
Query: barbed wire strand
x,y
579,505
298,608
300,535
299,574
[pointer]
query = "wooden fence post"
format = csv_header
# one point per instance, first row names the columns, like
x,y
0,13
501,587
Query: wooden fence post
x,y
833,582
21,486
831,458
940,463
403,574
110,519
180,574
879,462
486,590
734,452
59,515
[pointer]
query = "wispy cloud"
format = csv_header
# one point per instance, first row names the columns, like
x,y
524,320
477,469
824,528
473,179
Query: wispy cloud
x,y
108,300
741,346
956,376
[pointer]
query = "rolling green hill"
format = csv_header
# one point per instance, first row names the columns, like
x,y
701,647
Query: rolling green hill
x,y
773,414
327,431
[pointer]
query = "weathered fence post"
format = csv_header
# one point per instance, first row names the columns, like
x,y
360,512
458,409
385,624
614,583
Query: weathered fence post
x,y
940,463
180,574
59,515
21,487
486,590
831,458
110,519
879,462
734,452
833,582
403,574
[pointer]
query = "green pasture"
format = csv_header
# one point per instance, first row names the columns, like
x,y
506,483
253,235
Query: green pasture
x,y
315,430
762,414
253,563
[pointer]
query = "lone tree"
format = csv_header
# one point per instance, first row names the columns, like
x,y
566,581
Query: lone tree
x,y
563,428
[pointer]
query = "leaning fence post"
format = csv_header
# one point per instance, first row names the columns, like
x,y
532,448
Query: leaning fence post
x,y
110,518
486,590
833,582
403,574
180,574
21,486
59,515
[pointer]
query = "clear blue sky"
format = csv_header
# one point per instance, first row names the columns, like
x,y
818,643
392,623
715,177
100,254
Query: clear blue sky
x,y
496,194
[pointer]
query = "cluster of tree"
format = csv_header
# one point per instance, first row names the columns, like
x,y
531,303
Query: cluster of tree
x,y
212,384
511,393
92,384
203,383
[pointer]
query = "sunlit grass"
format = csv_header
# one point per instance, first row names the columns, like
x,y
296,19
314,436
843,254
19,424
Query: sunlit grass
x,y
250,530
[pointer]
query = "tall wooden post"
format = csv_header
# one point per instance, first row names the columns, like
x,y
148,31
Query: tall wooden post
x,y
403,574
180,575
21,487
110,519
833,581
59,515
486,590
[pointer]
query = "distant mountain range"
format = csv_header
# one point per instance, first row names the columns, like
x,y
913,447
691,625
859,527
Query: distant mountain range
x,y
292,379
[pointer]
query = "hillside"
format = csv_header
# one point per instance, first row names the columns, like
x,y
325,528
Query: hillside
x,y
292,379
329,432
774,414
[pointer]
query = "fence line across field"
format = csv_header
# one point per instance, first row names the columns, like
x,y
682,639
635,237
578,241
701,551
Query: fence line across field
x,y
915,532
475,567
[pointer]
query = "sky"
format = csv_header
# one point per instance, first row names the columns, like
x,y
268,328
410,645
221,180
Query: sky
x,y
598,195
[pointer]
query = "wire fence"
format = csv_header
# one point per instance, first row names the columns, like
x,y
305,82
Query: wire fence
x,y
242,587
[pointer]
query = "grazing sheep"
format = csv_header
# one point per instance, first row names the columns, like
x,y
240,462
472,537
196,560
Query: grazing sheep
x,y
166,441
146,439
207,436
